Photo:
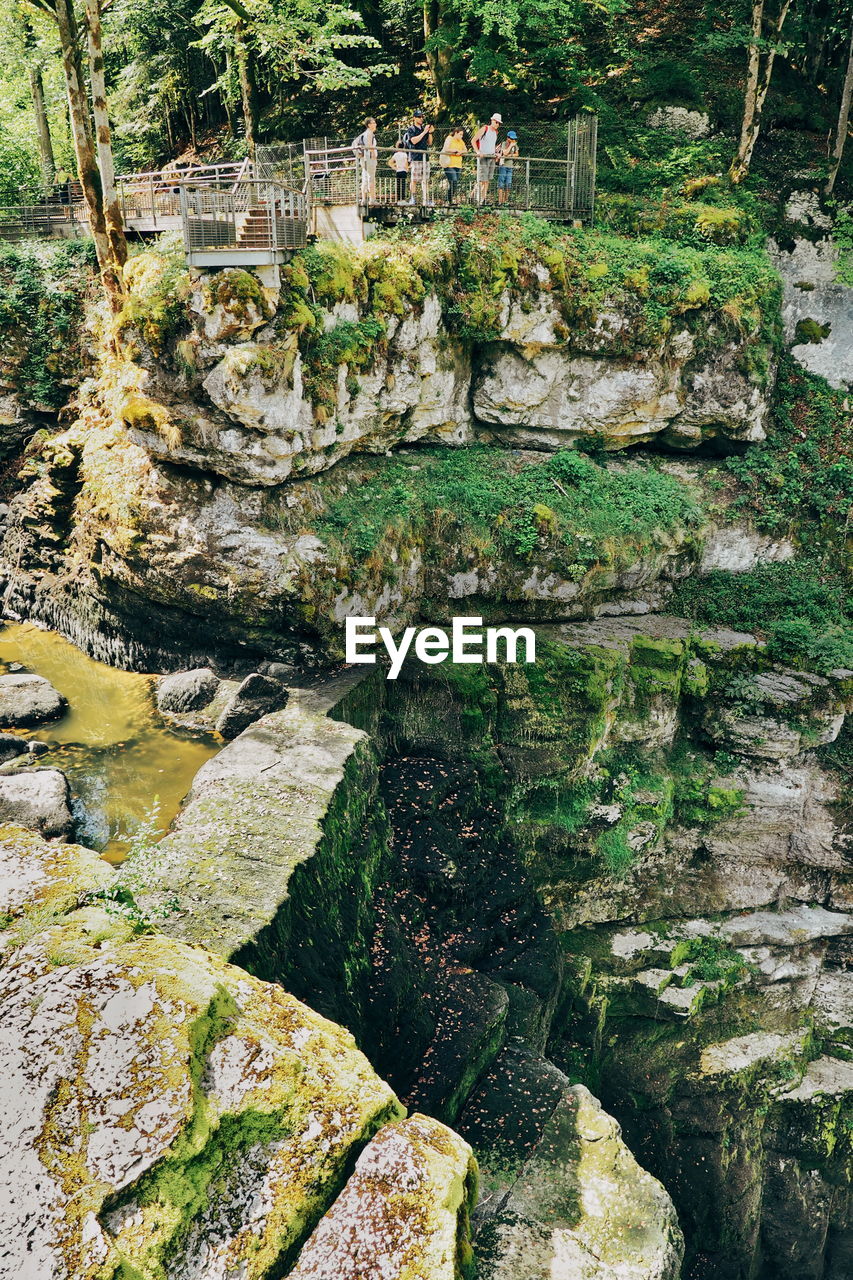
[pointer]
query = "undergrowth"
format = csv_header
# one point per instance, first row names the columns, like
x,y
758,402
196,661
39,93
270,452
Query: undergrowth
x,y
567,500
42,292
801,478
474,261
802,609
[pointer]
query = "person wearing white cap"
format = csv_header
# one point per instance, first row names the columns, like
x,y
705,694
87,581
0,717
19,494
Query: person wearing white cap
x,y
486,145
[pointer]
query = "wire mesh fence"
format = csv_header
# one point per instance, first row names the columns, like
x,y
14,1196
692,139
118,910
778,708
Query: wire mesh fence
x,y
251,216
553,174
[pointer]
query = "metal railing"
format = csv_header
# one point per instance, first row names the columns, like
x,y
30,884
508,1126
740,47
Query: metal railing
x,y
541,184
252,215
153,198
38,221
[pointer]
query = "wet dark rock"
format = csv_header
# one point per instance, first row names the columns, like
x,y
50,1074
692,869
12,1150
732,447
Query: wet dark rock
x,y
256,697
282,671
38,799
186,690
37,748
10,747
28,699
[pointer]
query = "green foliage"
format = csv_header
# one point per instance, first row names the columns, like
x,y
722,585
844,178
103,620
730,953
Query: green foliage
x,y
801,477
158,288
711,960
665,80
351,343
803,610
842,234
471,265
642,790
810,331
482,491
41,311
698,801
838,755
19,173
140,870
615,852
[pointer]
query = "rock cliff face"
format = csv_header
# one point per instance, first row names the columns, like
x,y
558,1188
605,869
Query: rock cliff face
x,y
170,487
266,389
622,872
165,1114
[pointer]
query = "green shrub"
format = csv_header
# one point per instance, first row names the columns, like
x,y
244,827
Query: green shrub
x,y
43,288
484,493
801,478
802,610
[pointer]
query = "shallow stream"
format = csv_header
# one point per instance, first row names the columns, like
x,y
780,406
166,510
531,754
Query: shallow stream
x,y
126,766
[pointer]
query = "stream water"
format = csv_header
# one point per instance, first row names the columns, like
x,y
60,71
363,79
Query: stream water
x,y
125,765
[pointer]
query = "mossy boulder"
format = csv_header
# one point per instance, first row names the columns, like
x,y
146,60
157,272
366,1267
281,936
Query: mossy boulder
x,y
173,1106
41,878
274,859
581,1208
419,1232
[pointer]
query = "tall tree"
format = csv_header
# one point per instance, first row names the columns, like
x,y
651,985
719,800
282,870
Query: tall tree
x,y
110,244
839,137
248,83
762,55
45,141
438,50
293,40
103,136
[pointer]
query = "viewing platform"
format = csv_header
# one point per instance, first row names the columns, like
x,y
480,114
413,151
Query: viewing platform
x,y
257,213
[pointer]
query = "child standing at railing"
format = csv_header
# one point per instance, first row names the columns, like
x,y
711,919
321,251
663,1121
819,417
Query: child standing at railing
x,y
399,162
507,154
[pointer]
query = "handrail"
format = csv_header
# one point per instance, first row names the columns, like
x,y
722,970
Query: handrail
x,y
241,172
176,174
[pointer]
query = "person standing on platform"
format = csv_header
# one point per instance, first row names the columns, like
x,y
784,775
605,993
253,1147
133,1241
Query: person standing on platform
x,y
417,140
486,145
451,161
367,153
507,155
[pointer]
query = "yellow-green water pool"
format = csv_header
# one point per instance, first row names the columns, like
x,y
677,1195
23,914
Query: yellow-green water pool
x,y
124,763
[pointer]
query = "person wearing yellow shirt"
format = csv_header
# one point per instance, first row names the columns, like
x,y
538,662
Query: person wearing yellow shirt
x,y
451,161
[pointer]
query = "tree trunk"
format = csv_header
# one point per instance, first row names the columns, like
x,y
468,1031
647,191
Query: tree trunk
x,y
248,86
757,87
112,209
85,153
439,61
837,148
45,143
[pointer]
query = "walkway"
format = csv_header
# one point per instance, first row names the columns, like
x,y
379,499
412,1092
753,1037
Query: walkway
x,y
257,214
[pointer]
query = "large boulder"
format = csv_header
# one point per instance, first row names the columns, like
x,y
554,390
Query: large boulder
x,y
256,697
419,1230
259,424
11,747
45,877
581,1208
186,690
161,1108
165,1115
39,799
28,699
281,829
